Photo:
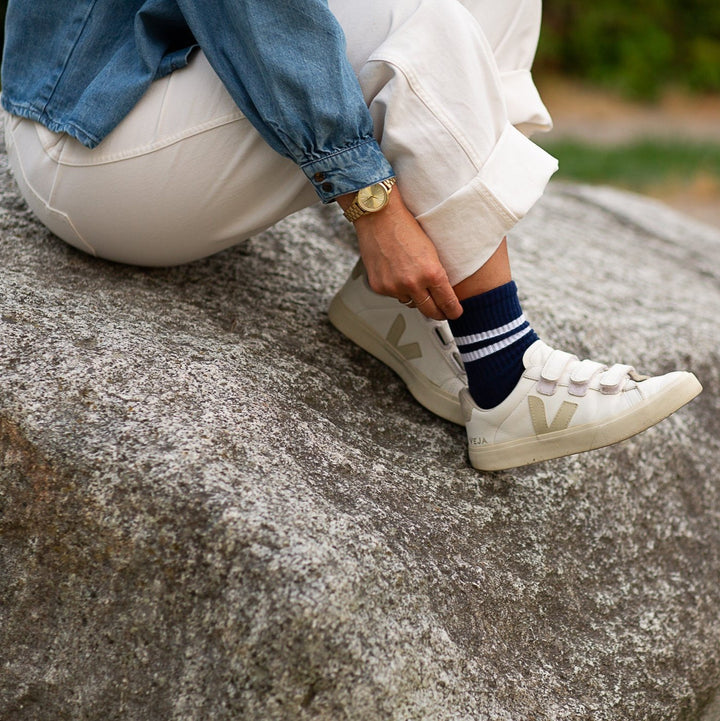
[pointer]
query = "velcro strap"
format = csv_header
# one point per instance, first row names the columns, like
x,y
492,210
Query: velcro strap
x,y
581,375
555,365
612,380
552,371
585,370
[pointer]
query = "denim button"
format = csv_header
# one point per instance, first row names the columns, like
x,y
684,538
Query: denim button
x,y
327,187
319,177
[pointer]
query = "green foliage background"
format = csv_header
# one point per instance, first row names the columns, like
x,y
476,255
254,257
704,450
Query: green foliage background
x,y
637,47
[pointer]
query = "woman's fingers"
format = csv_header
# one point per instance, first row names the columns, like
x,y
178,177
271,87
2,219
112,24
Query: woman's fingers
x,y
402,261
437,305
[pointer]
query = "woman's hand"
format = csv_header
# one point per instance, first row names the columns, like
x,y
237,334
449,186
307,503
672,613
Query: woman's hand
x,y
401,260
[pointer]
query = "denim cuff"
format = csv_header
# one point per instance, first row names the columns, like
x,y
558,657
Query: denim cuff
x,y
347,170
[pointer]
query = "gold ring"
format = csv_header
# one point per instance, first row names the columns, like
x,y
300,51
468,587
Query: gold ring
x,y
424,300
409,303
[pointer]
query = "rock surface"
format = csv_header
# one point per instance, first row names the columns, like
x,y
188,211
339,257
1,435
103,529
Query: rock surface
x,y
213,506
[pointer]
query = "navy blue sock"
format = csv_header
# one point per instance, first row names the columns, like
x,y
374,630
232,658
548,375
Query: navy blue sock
x,y
492,335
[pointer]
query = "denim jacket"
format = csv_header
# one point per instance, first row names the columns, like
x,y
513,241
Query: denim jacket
x,y
79,66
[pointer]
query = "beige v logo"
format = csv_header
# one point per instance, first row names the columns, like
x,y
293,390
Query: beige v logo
x,y
409,351
539,418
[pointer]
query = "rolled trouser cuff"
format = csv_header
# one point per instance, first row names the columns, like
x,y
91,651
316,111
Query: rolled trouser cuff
x,y
525,109
469,225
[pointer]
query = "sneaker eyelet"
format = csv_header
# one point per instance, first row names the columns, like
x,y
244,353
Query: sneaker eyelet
x,y
439,334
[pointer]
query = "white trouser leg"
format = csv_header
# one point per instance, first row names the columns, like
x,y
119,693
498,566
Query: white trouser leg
x,y
512,29
438,100
185,175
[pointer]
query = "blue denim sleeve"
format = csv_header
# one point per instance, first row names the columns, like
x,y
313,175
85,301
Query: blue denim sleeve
x,y
284,64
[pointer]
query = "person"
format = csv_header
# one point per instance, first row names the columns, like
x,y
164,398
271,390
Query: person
x,y
156,132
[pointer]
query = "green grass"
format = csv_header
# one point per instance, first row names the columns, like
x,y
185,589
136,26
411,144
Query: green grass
x,y
637,165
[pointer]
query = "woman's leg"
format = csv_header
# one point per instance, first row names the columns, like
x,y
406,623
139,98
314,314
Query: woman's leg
x,y
447,87
436,77
512,29
437,96
429,74
183,176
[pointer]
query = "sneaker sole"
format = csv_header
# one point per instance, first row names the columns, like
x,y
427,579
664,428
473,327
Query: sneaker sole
x,y
640,417
426,393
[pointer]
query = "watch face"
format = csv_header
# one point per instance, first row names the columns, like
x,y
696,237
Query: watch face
x,y
372,198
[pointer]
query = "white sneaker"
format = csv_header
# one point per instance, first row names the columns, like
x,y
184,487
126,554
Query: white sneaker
x,y
420,350
563,406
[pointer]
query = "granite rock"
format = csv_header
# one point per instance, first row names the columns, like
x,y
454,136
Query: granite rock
x,y
213,506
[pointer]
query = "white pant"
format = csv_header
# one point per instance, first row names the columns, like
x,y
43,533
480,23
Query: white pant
x,y
185,174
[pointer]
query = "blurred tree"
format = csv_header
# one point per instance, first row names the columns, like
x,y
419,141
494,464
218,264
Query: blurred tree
x,y
637,47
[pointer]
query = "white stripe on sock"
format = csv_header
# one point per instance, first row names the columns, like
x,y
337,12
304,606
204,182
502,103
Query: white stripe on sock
x,y
492,333
495,347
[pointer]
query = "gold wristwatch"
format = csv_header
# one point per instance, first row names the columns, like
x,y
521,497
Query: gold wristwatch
x,y
369,200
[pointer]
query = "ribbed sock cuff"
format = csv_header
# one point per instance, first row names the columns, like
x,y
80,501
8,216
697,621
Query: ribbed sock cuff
x,y
492,335
487,311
